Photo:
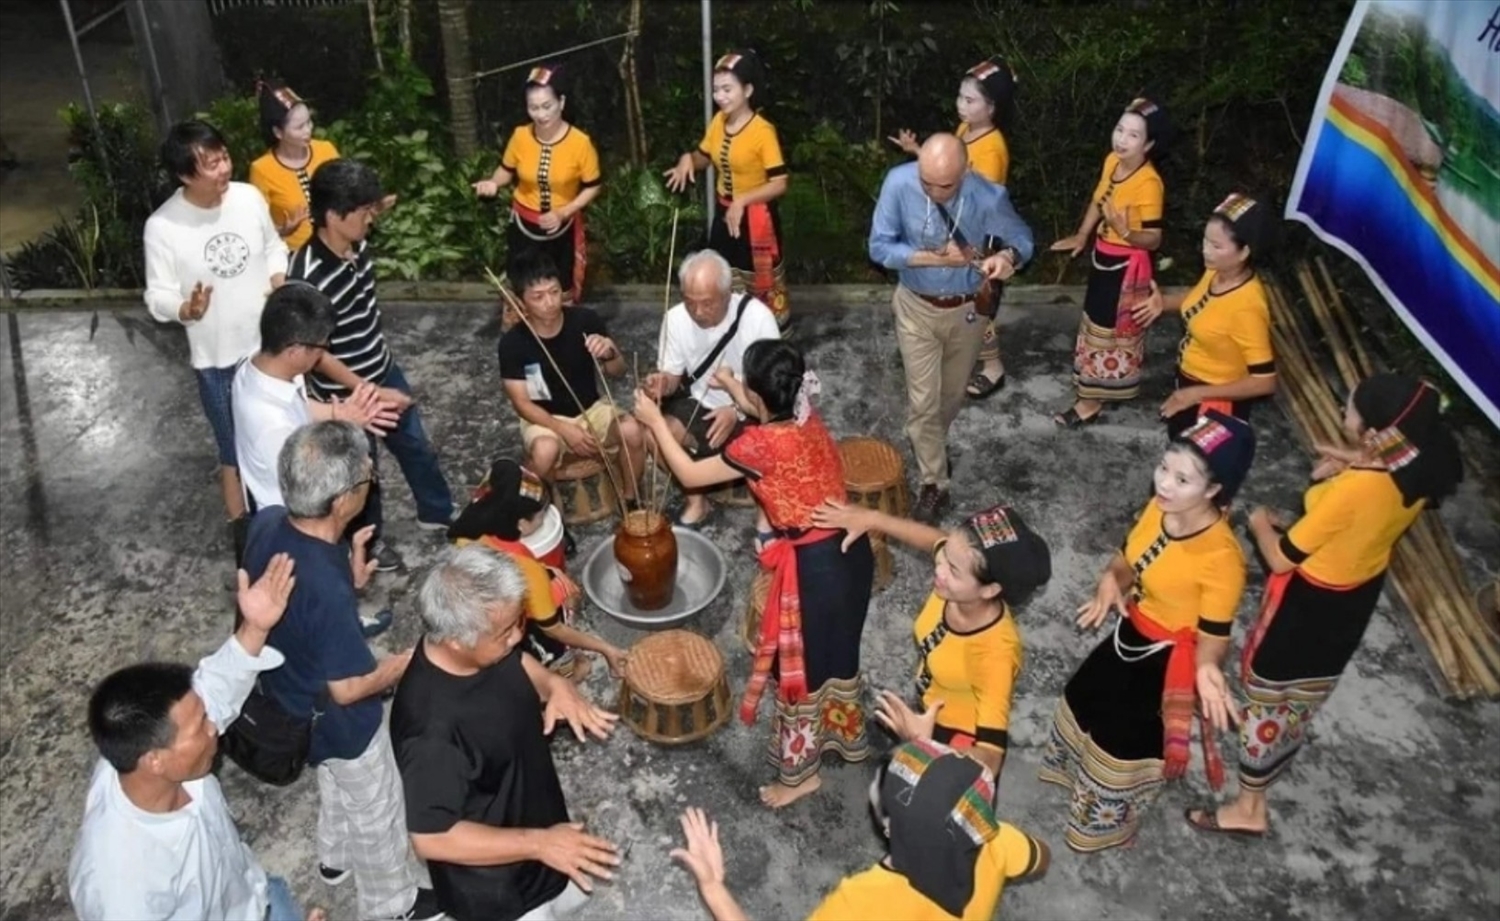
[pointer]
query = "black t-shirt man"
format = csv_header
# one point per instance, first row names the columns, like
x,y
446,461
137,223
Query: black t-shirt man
x,y
522,359
470,748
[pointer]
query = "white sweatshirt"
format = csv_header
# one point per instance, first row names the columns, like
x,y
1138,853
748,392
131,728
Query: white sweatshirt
x,y
236,249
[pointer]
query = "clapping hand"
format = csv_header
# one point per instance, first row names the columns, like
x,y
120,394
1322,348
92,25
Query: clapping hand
x,y
263,603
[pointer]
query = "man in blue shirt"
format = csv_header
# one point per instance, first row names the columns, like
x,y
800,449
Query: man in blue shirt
x,y
945,231
330,676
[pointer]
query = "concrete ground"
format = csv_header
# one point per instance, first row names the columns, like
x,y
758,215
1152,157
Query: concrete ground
x,y
115,551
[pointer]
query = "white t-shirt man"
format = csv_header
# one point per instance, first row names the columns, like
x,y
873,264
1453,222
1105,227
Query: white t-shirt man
x,y
185,865
688,344
267,410
235,248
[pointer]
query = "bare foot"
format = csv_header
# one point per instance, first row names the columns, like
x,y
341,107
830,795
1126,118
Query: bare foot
x,y
779,795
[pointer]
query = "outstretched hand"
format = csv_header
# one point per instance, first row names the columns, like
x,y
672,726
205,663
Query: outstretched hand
x,y
263,603
703,856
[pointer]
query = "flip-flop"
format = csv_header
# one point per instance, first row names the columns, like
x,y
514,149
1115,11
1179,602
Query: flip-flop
x,y
696,525
1071,420
1208,822
980,386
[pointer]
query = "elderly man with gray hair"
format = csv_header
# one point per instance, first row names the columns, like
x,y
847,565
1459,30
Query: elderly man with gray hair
x,y
330,677
470,724
700,335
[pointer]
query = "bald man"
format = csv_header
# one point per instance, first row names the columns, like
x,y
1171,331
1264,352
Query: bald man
x,y
945,231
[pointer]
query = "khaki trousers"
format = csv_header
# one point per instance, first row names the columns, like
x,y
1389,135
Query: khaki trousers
x,y
938,349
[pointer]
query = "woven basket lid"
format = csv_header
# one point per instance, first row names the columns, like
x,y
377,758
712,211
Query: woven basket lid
x,y
673,667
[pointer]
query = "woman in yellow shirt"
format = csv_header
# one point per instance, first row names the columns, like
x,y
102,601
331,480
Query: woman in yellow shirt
x,y
949,856
1122,728
968,646
283,173
1126,210
556,171
743,147
1327,571
1224,360
986,106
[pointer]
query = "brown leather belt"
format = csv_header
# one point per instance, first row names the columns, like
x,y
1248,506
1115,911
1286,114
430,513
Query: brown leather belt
x,y
948,302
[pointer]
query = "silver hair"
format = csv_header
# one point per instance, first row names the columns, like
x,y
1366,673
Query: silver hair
x,y
320,462
724,278
461,590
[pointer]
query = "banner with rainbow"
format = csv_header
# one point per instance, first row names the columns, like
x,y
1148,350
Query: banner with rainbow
x,y
1401,171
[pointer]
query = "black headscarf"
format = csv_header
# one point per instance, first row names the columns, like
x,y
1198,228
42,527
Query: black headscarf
x,y
509,495
1410,437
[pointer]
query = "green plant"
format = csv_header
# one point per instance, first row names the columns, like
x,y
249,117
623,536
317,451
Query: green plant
x,y
238,119
442,230
632,219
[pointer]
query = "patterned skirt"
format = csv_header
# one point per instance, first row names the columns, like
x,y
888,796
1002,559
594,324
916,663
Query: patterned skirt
x,y
756,257
835,589
1108,354
1315,632
1107,740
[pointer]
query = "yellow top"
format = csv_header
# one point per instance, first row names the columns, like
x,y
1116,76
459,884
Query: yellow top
x,y
1228,335
1353,520
882,893
973,674
1141,196
541,608
988,154
286,189
549,176
743,161
1196,580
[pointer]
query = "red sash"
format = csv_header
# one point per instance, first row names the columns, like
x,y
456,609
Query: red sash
x,y
765,250
580,247
781,625
1135,287
1179,699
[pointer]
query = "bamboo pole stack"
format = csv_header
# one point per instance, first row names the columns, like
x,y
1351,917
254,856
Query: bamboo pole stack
x,y
1424,571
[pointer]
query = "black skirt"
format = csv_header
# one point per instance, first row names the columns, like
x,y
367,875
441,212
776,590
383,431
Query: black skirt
x,y
1316,630
1118,703
835,590
1101,299
559,249
736,250
1182,421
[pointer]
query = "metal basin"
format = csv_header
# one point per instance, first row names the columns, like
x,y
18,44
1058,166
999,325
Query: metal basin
x,y
700,579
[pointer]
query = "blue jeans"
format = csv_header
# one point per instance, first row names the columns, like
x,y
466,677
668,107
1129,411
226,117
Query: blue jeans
x,y
418,461
214,387
281,905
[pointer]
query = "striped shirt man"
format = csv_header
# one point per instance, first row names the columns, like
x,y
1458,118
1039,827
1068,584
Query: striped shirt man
x,y
358,340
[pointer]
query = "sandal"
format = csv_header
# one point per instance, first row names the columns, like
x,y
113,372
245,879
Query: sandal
x,y
1208,821
980,386
1071,419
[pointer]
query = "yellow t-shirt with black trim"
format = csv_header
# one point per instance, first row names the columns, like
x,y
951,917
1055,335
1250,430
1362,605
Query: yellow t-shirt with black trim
x,y
540,607
1228,338
989,156
549,176
285,189
1352,522
1197,580
1141,196
882,893
973,674
743,161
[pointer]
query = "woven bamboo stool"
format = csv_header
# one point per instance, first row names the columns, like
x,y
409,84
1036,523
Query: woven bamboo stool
x,y
760,587
674,690
582,489
875,477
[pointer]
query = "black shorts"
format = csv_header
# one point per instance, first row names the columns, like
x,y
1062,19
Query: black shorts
x,y
682,407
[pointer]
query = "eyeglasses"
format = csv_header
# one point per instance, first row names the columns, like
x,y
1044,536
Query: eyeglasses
x,y
373,479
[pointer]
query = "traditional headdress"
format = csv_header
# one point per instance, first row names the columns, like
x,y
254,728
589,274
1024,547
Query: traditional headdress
x,y
1410,438
549,75
276,100
939,804
509,495
1253,223
1227,445
1014,555
997,80
747,68
1158,127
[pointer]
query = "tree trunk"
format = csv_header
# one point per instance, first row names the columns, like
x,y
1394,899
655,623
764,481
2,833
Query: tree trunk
x,y
403,26
453,23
